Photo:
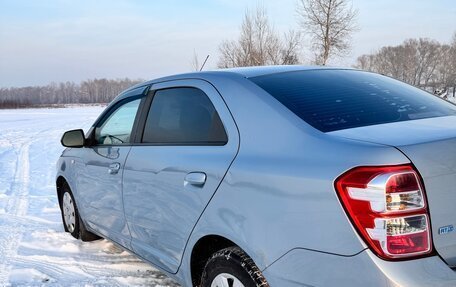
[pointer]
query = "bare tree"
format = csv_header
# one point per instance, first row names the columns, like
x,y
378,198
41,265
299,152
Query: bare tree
x,y
330,25
451,65
366,62
259,44
289,51
195,64
445,69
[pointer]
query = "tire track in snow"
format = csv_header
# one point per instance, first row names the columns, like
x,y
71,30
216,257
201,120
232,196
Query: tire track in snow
x,y
56,272
34,250
16,207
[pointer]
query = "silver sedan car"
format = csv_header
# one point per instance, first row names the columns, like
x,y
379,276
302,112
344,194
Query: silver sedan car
x,y
271,176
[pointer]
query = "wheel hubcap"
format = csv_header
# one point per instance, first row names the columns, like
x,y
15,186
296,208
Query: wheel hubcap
x,y
68,212
226,280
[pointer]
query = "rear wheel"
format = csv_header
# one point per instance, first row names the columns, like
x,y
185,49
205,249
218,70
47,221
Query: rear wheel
x,y
231,267
226,279
71,220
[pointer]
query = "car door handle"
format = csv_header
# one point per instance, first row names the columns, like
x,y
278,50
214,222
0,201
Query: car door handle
x,y
195,178
114,168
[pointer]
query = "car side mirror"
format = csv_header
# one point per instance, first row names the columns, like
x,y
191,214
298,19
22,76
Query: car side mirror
x,y
73,138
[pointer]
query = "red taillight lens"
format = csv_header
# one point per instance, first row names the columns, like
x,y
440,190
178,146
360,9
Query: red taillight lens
x,y
388,208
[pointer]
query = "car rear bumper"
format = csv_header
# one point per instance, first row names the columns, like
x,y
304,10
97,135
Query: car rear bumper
x,y
301,267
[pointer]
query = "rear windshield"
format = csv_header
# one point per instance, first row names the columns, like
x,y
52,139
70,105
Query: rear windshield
x,y
332,100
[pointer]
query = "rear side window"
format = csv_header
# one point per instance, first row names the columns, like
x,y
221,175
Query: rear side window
x,y
183,116
331,100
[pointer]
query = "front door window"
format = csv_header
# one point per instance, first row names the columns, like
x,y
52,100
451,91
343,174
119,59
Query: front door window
x,y
116,129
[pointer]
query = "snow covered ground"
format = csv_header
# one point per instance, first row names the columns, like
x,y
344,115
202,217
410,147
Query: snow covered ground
x,y
34,250
451,99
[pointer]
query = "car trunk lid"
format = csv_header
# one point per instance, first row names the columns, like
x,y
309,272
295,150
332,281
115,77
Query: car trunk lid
x,y
430,144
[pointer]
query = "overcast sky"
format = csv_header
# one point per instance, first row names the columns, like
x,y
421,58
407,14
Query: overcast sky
x,y
63,40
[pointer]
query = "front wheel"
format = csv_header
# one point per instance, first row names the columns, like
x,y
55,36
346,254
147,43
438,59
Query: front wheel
x,y
71,219
69,214
231,267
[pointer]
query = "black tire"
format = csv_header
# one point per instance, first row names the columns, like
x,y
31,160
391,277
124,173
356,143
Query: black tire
x,y
235,262
78,229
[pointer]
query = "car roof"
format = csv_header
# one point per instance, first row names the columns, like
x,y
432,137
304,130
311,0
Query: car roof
x,y
250,72
246,72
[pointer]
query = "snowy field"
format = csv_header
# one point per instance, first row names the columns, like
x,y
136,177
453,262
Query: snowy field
x,y
34,250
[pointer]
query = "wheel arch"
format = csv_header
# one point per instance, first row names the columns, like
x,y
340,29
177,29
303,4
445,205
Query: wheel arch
x,y
203,250
60,182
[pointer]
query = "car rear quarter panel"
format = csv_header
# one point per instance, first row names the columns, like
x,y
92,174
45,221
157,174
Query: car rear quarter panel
x,y
279,192
301,267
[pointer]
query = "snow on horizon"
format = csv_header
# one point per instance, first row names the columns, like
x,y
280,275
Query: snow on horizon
x,y
34,249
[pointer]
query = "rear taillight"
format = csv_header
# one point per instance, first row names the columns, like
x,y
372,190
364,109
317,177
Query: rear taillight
x,y
387,206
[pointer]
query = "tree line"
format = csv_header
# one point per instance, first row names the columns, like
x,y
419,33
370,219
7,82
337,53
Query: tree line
x,y
326,26
424,63
89,91
329,26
